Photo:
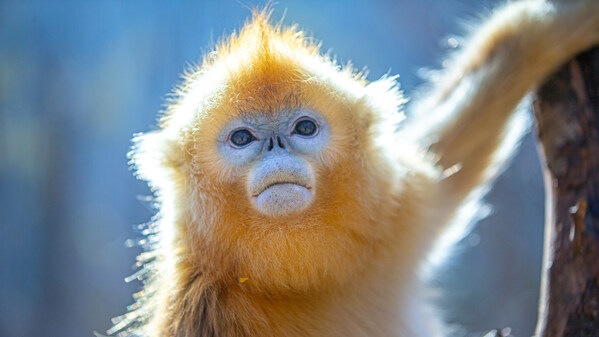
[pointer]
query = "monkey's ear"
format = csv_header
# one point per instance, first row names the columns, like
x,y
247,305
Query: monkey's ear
x,y
385,99
156,156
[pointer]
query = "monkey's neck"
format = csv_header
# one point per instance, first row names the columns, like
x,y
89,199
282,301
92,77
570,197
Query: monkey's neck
x,y
204,307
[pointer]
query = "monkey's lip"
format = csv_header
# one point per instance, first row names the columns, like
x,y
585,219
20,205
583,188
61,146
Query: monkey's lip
x,y
281,183
283,198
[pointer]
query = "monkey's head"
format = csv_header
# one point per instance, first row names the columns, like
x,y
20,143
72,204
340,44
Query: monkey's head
x,y
269,164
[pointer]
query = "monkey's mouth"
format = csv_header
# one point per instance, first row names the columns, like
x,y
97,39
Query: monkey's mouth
x,y
282,183
283,197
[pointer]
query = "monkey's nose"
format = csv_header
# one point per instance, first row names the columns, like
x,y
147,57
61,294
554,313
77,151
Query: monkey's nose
x,y
275,142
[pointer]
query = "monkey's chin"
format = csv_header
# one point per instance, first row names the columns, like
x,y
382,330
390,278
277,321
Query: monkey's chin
x,y
283,199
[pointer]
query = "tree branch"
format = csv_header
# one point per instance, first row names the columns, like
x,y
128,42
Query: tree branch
x,y
566,111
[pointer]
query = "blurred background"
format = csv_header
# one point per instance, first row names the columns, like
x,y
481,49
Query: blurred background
x,y
78,78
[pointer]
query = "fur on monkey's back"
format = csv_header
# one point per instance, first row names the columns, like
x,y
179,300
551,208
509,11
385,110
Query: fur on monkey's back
x,y
191,285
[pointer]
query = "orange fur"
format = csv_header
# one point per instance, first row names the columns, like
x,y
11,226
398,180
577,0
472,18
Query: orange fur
x,y
343,266
297,268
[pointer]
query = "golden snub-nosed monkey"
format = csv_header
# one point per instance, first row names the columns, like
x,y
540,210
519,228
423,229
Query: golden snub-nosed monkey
x,y
290,205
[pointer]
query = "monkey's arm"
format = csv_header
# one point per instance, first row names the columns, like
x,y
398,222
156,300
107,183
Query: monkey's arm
x,y
506,58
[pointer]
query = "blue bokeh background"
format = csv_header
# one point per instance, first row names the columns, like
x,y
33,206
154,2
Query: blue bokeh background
x,y
78,78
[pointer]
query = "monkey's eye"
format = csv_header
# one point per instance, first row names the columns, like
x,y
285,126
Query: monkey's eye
x,y
242,137
305,127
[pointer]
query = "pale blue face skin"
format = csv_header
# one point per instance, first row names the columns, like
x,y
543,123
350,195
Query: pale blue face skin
x,y
281,181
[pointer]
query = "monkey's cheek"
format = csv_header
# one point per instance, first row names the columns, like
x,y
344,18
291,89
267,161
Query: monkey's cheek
x,y
283,199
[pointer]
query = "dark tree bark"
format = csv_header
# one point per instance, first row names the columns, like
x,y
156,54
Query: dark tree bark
x,y
566,111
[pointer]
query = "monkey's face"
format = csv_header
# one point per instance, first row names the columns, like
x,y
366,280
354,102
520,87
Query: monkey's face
x,y
273,149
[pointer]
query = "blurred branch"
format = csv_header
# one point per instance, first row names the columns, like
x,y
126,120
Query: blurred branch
x,y
567,118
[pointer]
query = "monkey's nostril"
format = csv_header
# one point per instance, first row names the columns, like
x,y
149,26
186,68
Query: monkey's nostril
x,y
280,143
271,144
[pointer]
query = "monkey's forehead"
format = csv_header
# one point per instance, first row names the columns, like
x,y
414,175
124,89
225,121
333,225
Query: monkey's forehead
x,y
234,86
